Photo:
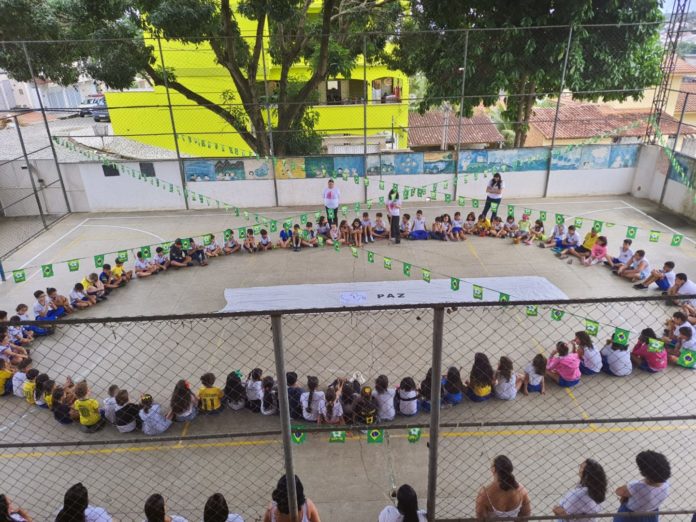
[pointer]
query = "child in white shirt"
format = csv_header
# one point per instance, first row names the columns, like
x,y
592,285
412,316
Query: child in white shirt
x,y
367,228
78,298
213,249
312,401
161,259
109,404
407,397
384,398
254,390
142,267
153,422
231,245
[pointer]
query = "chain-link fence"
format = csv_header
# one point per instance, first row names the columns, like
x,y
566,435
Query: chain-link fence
x,y
368,444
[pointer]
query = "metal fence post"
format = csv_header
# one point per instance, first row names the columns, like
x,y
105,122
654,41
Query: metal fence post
x,y
31,178
171,118
461,114
365,115
48,129
674,147
270,127
284,405
438,321
558,107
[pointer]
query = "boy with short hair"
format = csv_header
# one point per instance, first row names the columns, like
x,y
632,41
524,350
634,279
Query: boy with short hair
x,y
379,230
664,279
20,377
142,267
127,414
44,309
120,271
107,279
585,249
161,258
209,396
265,242
296,238
19,334
177,257
231,245
250,241
637,268
367,225
29,386
59,301
309,238
624,256
686,343
285,237
570,240
109,404
91,419
94,287
419,230
295,392
22,311
79,300
405,226
8,351
213,249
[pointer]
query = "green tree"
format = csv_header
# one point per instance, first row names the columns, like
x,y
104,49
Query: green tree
x,y
105,40
511,52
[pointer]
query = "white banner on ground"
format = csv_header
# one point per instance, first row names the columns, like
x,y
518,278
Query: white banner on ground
x,y
340,295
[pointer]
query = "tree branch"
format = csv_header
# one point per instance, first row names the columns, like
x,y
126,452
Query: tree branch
x,y
354,6
230,118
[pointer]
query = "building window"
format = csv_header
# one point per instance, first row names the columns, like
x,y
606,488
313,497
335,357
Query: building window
x,y
333,92
386,90
343,92
147,169
110,170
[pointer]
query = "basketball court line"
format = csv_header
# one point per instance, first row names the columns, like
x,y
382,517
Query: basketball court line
x,y
645,214
159,238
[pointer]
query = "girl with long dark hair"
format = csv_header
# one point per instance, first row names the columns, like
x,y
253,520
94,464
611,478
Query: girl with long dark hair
x,y
406,509
587,497
494,194
394,214
504,497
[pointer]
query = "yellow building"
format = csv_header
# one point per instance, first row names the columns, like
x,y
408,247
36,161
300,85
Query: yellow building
x,y
144,115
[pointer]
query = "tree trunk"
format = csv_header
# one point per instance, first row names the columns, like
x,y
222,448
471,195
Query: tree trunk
x,y
522,85
530,99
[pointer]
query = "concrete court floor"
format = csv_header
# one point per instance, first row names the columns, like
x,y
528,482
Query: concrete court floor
x,y
187,472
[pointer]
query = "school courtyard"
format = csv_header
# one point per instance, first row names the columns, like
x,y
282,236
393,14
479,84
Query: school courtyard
x,y
240,454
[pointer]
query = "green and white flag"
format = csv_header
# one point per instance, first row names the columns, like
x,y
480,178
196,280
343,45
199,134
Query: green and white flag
x,y
370,257
317,215
631,232
356,179
257,230
381,184
494,207
241,232
47,270
478,292
146,251
426,275
387,263
560,219
556,314
542,215
448,198
354,251
274,226
597,226
99,260
414,435
655,345
454,284
227,234
591,327
475,203
186,243
407,269
655,236
337,436
503,298
74,265
19,276
207,239
578,223
461,201
677,240
303,219
510,210
123,255
528,211
298,437
337,246
532,310
344,210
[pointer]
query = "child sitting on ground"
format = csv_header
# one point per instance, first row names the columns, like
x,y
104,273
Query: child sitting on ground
x,y
686,343
120,271
583,250
436,231
151,417
497,227
469,223
6,373
536,233
234,394
19,334
452,386
309,238
419,229
510,228
142,267
507,383
479,387
524,232
590,358
384,399
458,227
534,374
45,309
556,239
404,226
265,242
29,386
323,227
127,414
380,231
296,238
664,279
346,234
597,253
209,396
23,313
483,225
20,377
563,367
407,397
62,400
78,298
58,301
624,256
91,419
312,400
11,352
364,408
285,237
331,410
570,240
232,245
250,242
356,233
254,390
368,233
616,360
637,269
109,404
161,259
447,228
213,249
647,358
269,402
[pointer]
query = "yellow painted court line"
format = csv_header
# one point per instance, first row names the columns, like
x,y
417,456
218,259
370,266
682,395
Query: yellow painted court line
x,y
591,429
474,253
184,431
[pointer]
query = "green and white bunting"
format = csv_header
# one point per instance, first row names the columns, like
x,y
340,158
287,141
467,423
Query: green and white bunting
x,y
461,201
578,223
532,310
426,275
370,257
454,284
654,236
656,345
47,270
560,219
337,436
597,226
298,437
375,436
387,263
478,292
591,327
677,240
99,260
146,252
631,232
74,265
503,298
19,276
354,251
556,314
414,435
620,336
123,255
407,269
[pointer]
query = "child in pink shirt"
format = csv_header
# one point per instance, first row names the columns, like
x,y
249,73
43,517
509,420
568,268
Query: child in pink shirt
x,y
563,366
598,252
651,361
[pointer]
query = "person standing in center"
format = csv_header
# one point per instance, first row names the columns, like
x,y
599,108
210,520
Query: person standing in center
x,y
394,214
332,198
494,194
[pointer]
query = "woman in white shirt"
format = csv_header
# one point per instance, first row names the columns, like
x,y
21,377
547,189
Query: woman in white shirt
x,y
312,400
406,509
647,494
216,510
394,214
587,497
332,198
12,513
494,193
384,397
155,510
76,507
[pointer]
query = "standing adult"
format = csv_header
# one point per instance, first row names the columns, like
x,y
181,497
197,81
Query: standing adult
x,y
494,194
504,497
332,197
394,214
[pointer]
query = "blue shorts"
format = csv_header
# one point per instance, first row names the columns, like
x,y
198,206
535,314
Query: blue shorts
x,y
418,234
534,388
559,243
644,366
8,387
567,384
477,398
456,230
585,370
662,284
424,405
452,398
624,509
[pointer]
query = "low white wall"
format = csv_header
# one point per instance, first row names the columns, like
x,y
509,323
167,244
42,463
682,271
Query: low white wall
x,y
594,182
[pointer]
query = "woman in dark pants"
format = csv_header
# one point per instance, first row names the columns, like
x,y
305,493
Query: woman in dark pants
x,y
494,194
394,214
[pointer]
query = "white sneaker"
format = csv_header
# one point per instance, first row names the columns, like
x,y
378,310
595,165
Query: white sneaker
x,y
357,376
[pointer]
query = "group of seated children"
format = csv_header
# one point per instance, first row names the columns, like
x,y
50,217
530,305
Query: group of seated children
x,y
346,401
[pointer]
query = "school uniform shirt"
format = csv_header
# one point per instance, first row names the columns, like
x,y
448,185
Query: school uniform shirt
x,y
644,497
96,514
457,223
285,235
294,401
18,380
6,352
534,378
40,310
269,403
153,421
558,231
391,514
141,265
688,288
572,239
336,412
160,259
408,405
48,400
4,376
331,197
16,334
379,226
317,399
117,271
76,296
109,406
496,196
619,361
624,255
254,390
592,359
104,277
267,240
394,207
323,229
385,404
578,502
88,410
506,390
176,254
210,399
28,389
644,263
125,417
405,227
418,225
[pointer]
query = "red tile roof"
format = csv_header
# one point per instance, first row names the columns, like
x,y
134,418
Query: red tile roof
x,y
682,67
425,130
691,105
591,120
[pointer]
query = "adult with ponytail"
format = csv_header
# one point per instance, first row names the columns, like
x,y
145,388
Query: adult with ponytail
x,y
406,509
504,497
11,513
312,401
587,497
279,510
